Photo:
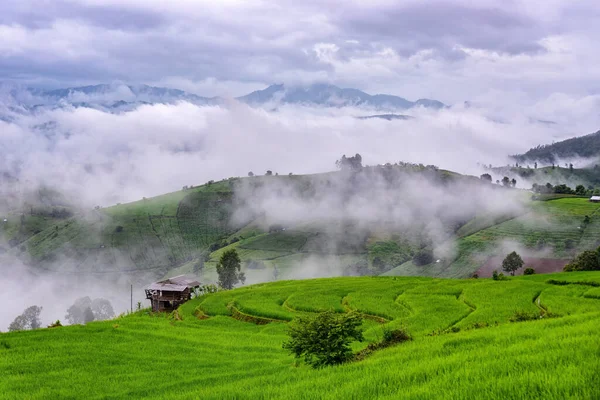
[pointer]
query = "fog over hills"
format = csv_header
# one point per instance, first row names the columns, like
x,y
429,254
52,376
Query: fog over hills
x,y
121,97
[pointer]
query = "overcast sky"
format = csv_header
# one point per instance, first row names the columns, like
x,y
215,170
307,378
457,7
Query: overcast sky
x,y
451,50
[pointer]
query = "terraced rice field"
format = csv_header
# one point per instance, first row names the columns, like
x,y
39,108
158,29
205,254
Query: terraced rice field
x,y
228,344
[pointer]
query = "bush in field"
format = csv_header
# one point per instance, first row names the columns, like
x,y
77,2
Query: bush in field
x,y
30,319
512,262
498,276
529,271
587,261
521,316
228,270
324,339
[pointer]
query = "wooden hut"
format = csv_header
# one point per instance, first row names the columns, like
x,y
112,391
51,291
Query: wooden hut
x,y
168,294
595,199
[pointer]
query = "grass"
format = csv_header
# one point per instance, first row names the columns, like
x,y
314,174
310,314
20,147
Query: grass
x,y
464,345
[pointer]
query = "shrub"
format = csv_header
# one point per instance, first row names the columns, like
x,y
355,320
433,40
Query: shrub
x,y
529,271
498,276
520,316
324,339
391,336
586,261
119,228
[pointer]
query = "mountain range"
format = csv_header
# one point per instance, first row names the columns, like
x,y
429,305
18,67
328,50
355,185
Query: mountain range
x,y
121,97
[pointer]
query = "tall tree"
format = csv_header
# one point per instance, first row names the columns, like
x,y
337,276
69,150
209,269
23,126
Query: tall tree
x,y
506,181
512,262
102,309
486,177
30,319
228,270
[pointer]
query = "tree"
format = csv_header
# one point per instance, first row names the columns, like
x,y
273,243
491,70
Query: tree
x,y
228,270
75,313
586,261
349,163
250,173
85,310
535,165
580,190
102,309
30,319
88,315
505,181
325,338
269,173
571,167
512,262
513,182
486,177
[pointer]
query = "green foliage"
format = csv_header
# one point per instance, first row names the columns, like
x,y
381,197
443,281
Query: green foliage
x,y
229,270
585,261
512,262
521,316
529,271
325,339
498,276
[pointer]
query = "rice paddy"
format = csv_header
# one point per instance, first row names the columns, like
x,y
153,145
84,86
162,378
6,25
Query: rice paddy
x,y
464,345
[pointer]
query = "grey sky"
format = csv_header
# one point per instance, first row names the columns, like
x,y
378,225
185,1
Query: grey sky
x,y
447,49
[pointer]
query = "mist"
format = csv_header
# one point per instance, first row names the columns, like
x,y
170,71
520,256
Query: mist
x,y
96,158
100,158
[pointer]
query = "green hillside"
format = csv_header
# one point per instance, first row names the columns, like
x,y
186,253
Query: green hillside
x,y
188,230
587,146
467,343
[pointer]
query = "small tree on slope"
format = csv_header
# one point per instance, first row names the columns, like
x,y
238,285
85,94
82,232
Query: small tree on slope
x,y
324,339
229,270
512,262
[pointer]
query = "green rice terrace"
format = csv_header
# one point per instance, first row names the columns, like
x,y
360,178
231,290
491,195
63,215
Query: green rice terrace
x,y
188,230
528,337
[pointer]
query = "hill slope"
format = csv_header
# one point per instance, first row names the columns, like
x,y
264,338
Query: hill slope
x,y
579,147
187,231
463,343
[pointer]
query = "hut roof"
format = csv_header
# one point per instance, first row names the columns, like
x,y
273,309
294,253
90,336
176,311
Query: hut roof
x,y
175,284
595,198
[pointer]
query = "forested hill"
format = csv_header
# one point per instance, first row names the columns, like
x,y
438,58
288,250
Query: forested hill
x,y
584,146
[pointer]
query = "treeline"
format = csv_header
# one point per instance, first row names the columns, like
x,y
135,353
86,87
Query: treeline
x,y
580,190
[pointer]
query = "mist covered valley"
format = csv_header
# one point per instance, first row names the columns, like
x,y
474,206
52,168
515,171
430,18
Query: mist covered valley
x,y
68,233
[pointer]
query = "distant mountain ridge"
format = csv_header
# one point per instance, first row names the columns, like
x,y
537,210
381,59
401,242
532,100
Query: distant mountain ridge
x,y
333,96
122,97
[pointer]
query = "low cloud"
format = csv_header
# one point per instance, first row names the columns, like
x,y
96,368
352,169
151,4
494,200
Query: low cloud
x,y
100,158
